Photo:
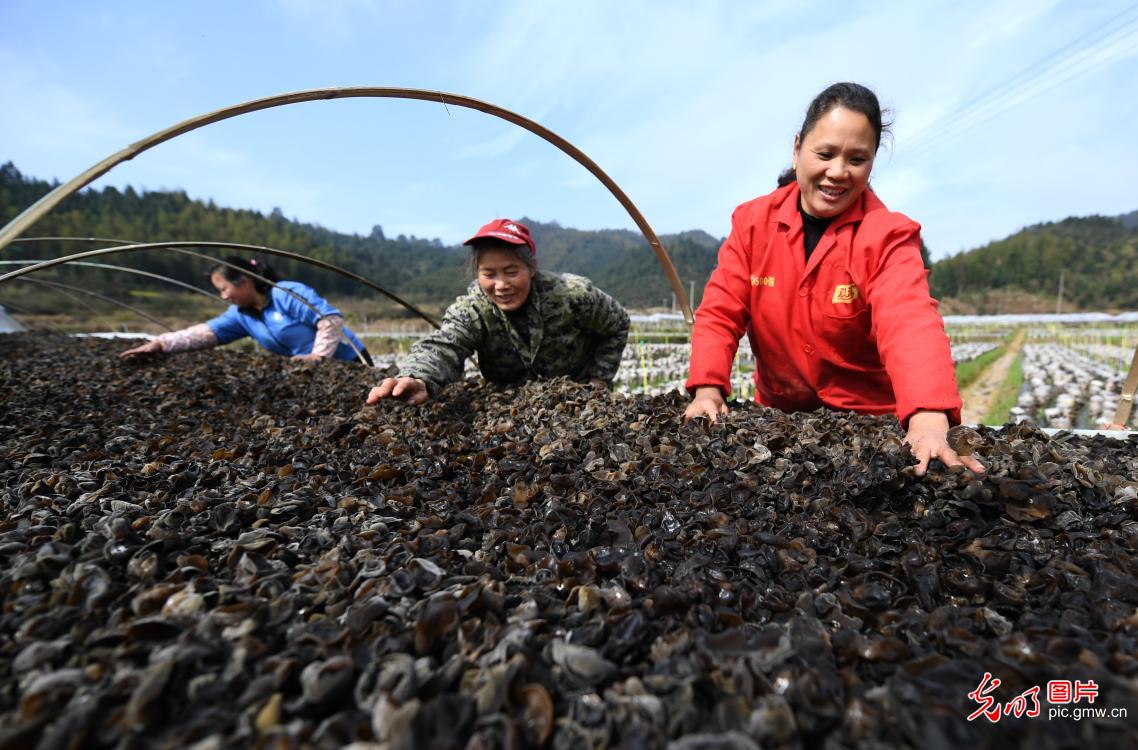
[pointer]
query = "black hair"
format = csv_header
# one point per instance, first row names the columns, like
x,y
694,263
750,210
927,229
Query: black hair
x,y
247,266
521,252
851,96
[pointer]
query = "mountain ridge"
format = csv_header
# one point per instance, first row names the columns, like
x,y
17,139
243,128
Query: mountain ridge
x,y
1097,256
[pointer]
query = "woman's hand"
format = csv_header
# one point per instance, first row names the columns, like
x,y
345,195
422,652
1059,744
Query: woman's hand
x,y
310,357
928,439
707,402
154,346
411,390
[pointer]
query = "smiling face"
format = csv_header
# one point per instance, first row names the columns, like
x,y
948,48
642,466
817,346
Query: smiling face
x,y
241,292
504,277
833,161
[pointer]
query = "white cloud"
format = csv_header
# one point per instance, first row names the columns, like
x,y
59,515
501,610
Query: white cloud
x,y
691,109
53,129
335,18
499,145
1000,23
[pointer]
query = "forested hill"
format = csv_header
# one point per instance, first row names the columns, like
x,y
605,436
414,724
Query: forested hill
x,y
1097,257
425,271
621,262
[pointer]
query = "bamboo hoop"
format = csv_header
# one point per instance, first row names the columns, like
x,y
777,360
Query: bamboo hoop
x,y
68,292
125,269
68,288
275,285
252,248
1126,399
178,247
25,311
45,204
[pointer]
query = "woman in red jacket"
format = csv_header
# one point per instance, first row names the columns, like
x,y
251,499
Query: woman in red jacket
x,y
830,287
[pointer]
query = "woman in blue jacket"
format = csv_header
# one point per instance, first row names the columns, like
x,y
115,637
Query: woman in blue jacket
x,y
275,318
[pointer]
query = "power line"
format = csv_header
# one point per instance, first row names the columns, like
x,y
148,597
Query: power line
x,y
985,99
1036,65
1041,86
985,105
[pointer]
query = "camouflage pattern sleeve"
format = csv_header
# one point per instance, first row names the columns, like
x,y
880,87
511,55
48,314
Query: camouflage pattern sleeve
x,y
438,359
608,320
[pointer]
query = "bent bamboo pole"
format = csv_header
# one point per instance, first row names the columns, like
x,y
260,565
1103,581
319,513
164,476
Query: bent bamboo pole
x,y
37,210
343,334
1126,399
111,267
68,292
176,247
68,289
25,311
253,248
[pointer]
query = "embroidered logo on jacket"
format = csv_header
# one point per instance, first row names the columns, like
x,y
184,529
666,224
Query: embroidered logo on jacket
x,y
844,294
762,281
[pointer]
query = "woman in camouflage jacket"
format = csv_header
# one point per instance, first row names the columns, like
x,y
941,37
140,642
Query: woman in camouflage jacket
x,y
522,323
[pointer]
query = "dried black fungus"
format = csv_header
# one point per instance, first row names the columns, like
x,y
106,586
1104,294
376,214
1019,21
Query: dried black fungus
x,y
223,549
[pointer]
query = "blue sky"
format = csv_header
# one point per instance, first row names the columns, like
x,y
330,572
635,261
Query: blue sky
x,y
691,107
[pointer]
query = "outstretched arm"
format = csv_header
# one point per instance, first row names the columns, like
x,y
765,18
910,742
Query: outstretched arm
x,y
909,331
720,322
198,336
437,359
328,330
608,320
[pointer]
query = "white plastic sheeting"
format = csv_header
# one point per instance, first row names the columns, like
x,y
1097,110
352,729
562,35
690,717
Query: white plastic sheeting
x,y
1029,318
7,325
1020,319
113,335
657,318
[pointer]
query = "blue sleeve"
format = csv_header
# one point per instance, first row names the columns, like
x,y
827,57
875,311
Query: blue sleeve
x,y
228,326
296,309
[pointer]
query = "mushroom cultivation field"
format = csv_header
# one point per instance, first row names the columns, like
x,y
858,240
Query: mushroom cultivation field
x,y
225,549
1065,389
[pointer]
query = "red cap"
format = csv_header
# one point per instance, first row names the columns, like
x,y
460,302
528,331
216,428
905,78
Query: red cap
x,y
506,230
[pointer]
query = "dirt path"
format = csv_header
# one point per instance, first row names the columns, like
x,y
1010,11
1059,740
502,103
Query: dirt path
x,y
978,396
